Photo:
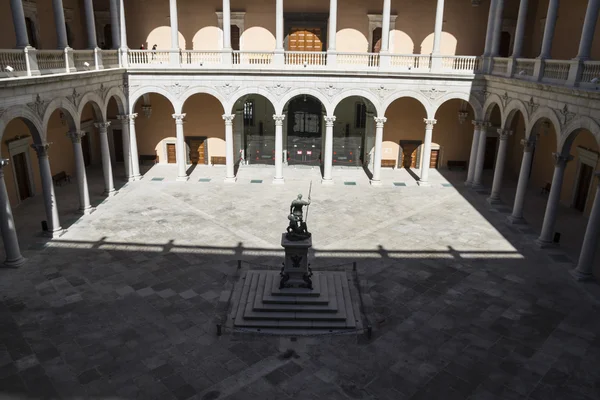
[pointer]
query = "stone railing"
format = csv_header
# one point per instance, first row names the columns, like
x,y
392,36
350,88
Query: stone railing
x,y
524,68
51,61
252,58
13,62
84,59
460,64
417,62
500,66
556,70
110,58
306,58
194,58
357,60
591,71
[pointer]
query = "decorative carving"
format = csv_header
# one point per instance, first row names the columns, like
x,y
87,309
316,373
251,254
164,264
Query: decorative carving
x,y
505,99
178,118
296,260
567,116
329,120
380,121
528,144
41,149
75,98
38,106
504,134
561,160
429,123
102,90
381,91
278,119
330,90
176,88
532,106
228,118
227,89
279,90
433,93
75,136
102,126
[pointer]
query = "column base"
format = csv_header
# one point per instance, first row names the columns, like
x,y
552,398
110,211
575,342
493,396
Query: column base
x,y
278,181
230,179
477,186
421,183
326,181
110,193
581,277
16,263
494,200
182,178
515,220
375,182
545,244
55,233
468,183
87,210
134,178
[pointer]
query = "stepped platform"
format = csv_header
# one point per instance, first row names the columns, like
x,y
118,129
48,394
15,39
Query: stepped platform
x,y
259,305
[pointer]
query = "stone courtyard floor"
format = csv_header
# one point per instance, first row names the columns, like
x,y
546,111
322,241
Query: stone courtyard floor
x,y
125,304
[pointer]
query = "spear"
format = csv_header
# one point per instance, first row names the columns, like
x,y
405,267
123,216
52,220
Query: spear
x,y
309,191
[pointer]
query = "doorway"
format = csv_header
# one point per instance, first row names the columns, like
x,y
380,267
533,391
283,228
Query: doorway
x,y
118,145
171,155
584,181
197,151
108,40
409,152
304,131
85,147
22,175
433,161
491,144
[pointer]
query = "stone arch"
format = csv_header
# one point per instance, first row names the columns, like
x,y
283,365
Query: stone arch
x,y
201,90
511,110
488,107
571,131
359,93
412,94
28,116
544,112
473,102
120,98
134,97
97,104
285,99
61,103
260,91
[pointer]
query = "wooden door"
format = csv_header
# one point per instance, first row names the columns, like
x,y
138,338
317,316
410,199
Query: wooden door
x,y
85,147
305,39
22,173
433,161
490,152
376,45
409,155
171,155
583,187
197,151
118,145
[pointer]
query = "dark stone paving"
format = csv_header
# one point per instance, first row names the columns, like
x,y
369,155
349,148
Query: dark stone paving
x,y
138,324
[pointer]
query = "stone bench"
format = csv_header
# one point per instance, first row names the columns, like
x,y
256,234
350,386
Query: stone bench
x,y
61,177
388,163
462,165
218,160
148,157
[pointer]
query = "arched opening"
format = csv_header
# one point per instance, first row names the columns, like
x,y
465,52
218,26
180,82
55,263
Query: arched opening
x,y
161,37
542,169
205,130
254,130
448,44
304,125
494,117
579,185
115,136
515,123
403,133
353,131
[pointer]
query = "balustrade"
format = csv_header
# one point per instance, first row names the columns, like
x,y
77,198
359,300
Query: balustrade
x,y
461,64
591,70
51,61
556,70
500,66
249,58
80,57
524,68
358,60
14,59
305,58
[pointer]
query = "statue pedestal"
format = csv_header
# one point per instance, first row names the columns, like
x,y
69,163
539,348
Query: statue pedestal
x,y
296,271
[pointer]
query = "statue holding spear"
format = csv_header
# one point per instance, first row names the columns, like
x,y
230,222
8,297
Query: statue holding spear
x,y
297,229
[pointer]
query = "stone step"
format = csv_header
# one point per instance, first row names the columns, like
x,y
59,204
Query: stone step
x,y
323,300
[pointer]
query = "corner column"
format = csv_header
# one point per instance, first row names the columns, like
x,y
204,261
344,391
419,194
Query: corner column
x,y
229,163
180,154
109,186
328,159
426,158
278,148
516,216
18,16
50,204
478,174
474,147
503,134
583,271
59,24
114,24
14,258
560,162
379,122
174,55
84,196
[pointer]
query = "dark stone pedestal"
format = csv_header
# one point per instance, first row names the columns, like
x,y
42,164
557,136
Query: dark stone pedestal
x,y
296,271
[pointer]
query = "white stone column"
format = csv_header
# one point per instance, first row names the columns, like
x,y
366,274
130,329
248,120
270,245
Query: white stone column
x,y
226,25
549,29
498,14
328,159
278,148
229,163
589,27
503,135
122,25
474,147
279,25
379,122
54,228
82,186
583,271
437,32
332,24
181,152
478,174
59,24
385,26
114,24
520,31
14,258
126,156
174,56
426,157
109,186
489,36
134,159
546,236
516,216
90,24
18,16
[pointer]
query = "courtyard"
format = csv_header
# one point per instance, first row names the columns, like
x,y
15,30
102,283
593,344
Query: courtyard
x,y
125,304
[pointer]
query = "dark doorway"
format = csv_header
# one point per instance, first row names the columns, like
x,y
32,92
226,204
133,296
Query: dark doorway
x,y
409,152
22,173
304,131
31,32
198,150
504,50
85,147
376,45
118,145
583,186
235,37
491,144
108,40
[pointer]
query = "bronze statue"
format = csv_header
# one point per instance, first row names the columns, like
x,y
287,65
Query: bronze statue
x,y
297,229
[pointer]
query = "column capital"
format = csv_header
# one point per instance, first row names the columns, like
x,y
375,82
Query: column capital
x,y
228,118
380,121
102,126
528,144
127,117
504,134
561,160
41,149
429,123
179,118
479,124
75,136
329,120
278,119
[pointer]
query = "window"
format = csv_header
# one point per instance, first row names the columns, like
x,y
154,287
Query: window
x,y
249,113
361,116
